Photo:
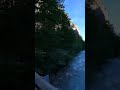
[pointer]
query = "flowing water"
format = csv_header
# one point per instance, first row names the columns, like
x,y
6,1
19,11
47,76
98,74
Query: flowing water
x,y
72,77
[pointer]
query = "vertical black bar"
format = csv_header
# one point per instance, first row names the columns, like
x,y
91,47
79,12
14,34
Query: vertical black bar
x,y
17,46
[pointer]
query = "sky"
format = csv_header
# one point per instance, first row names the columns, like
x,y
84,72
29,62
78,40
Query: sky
x,y
76,11
113,8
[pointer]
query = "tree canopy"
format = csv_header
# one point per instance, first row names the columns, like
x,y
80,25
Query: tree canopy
x,y
54,36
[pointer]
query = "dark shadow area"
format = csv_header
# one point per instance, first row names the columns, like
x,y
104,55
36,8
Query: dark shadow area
x,y
17,44
101,41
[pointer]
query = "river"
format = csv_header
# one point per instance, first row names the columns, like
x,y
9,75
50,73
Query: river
x,y
73,76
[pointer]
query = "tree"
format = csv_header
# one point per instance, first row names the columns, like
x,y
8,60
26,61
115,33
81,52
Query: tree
x,y
54,36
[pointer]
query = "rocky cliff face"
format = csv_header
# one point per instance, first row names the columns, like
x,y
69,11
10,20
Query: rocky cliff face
x,y
75,28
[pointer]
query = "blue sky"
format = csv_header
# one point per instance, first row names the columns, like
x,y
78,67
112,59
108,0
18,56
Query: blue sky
x,y
76,11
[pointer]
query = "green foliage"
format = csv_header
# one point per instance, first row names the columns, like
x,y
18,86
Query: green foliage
x,y
55,41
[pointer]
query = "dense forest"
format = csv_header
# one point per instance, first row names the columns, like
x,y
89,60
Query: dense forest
x,y
102,42
55,41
